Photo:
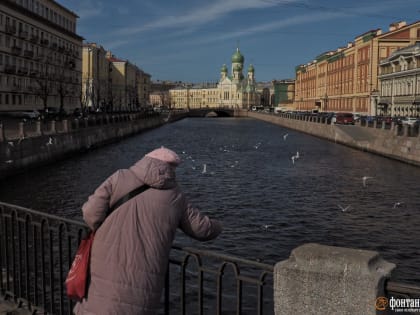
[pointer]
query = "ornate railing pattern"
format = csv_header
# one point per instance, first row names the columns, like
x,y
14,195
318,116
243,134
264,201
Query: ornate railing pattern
x,y
36,251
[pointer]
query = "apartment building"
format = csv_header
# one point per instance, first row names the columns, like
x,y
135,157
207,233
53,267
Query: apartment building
x,y
283,93
400,83
96,77
129,87
144,87
40,56
195,96
346,79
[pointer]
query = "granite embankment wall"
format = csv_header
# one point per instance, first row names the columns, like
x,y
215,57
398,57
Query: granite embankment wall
x,y
35,148
397,142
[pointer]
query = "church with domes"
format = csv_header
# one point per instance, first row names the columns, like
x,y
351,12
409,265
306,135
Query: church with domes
x,y
234,90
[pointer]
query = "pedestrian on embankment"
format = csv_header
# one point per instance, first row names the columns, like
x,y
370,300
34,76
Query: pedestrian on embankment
x,y
130,252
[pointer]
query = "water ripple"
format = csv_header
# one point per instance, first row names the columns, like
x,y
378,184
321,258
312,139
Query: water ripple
x,y
267,204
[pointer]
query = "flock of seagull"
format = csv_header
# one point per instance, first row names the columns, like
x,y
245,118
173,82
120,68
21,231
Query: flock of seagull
x,y
294,158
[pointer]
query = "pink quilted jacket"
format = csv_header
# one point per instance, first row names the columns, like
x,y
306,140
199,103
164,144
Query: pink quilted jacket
x,y
131,247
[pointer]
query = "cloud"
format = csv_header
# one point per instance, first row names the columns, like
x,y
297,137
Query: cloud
x,y
201,15
89,9
312,17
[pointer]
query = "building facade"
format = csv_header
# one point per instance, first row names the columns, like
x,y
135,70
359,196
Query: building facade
x,y
96,77
40,56
400,83
283,93
128,86
232,91
346,80
144,83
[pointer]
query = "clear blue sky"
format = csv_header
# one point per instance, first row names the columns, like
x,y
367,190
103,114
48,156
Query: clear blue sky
x,y
189,40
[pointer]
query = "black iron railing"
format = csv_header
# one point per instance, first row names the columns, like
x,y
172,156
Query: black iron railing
x,y
36,251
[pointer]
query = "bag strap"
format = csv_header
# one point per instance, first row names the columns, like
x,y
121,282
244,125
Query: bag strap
x,y
127,197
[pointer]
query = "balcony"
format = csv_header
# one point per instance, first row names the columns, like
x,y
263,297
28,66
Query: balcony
x,y
54,46
22,70
15,88
71,64
33,73
10,69
34,39
45,42
23,34
16,50
28,53
40,56
10,29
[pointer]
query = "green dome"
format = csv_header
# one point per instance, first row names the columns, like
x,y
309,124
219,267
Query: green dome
x,y
237,57
251,68
237,67
224,69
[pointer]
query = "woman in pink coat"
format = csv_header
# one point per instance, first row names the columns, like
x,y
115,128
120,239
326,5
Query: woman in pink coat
x,y
131,248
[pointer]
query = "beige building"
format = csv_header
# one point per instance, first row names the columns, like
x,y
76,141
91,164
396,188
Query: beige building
x,y
111,83
400,83
40,56
232,91
346,80
96,77
144,84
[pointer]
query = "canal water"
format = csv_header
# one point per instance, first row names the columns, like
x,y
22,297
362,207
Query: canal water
x,y
241,172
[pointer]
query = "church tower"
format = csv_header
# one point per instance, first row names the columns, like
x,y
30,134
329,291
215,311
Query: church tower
x,y
237,65
223,72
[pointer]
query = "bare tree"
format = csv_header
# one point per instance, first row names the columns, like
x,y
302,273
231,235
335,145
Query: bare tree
x,y
63,91
44,87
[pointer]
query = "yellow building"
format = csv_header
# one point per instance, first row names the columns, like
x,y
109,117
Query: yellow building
x,y
40,56
346,80
232,91
96,79
144,84
130,86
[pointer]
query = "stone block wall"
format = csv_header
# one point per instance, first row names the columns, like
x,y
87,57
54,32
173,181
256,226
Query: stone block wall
x,y
390,143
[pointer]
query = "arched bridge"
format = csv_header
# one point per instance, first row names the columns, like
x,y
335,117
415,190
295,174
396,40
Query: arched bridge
x,y
212,112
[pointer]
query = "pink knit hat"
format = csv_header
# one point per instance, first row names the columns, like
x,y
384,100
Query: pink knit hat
x,y
165,155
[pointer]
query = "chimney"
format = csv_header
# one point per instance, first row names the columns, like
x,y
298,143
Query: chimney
x,y
397,25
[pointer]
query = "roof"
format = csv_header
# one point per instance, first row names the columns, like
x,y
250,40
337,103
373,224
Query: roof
x,y
114,59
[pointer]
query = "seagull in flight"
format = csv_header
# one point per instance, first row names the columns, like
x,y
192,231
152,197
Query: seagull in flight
x,y
285,136
364,179
50,141
397,204
344,209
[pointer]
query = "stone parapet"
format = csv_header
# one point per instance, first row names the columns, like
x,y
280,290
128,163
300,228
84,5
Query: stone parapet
x,y
327,280
391,143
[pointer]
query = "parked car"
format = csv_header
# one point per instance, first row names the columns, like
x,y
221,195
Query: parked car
x,y
29,114
386,119
344,118
411,121
356,117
